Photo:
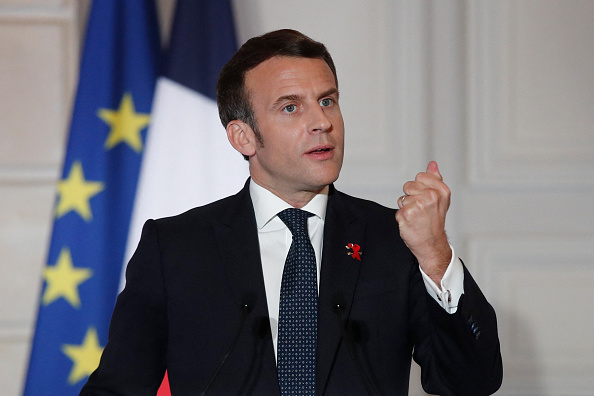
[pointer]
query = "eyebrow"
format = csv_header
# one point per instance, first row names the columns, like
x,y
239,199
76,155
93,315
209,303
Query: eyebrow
x,y
292,97
329,92
295,97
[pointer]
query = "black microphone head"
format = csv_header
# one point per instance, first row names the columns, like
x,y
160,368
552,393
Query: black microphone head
x,y
337,308
338,303
248,301
245,309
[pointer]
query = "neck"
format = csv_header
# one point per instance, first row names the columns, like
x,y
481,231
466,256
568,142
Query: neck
x,y
294,197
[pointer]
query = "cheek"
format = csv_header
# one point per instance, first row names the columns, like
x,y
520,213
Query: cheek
x,y
280,151
338,124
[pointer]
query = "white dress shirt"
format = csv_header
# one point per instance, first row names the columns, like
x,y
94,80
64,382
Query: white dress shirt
x,y
275,240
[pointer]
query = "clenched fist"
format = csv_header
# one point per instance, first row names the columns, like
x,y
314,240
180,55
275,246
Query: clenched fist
x,y
421,218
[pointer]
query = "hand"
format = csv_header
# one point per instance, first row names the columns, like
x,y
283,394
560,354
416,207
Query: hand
x,y
421,219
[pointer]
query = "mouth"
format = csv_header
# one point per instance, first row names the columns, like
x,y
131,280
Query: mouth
x,y
321,153
319,150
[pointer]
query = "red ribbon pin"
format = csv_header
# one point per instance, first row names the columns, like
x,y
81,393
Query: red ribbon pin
x,y
355,253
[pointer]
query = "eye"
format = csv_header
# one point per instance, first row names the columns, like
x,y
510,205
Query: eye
x,y
290,108
326,102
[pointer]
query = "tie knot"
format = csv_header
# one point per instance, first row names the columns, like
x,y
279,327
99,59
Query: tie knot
x,y
295,220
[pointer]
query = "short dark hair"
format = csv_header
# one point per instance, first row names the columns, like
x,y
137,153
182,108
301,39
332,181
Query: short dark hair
x,y
232,97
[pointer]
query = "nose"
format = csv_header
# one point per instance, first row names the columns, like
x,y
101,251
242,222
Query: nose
x,y
319,121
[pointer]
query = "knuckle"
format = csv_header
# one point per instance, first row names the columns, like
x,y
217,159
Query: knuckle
x,y
432,196
444,189
406,214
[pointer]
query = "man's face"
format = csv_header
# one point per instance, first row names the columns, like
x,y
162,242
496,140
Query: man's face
x,y
295,103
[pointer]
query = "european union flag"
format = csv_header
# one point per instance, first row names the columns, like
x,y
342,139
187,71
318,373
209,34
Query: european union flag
x,y
95,195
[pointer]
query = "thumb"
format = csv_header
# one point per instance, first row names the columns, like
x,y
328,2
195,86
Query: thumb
x,y
434,169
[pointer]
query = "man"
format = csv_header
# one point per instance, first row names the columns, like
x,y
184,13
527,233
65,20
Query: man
x,y
208,294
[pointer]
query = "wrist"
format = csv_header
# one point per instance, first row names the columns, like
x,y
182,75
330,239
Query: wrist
x,y
436,263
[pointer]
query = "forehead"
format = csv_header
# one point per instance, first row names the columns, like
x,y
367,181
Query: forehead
x,y
281,75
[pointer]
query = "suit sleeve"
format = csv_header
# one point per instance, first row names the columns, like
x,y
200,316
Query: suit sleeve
x,y
133,361
459,353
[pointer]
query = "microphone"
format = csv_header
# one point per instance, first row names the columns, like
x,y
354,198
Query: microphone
x,y
339,309
244,310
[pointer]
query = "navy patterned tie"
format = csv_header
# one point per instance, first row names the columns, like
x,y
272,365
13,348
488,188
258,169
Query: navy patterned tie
x,y
298,310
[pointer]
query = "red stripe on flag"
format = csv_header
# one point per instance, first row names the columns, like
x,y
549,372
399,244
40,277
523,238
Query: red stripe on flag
x,y
164,388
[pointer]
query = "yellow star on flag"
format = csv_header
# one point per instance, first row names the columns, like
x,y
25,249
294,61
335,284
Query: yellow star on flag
x,y
62,280
75,193
85,357
125,124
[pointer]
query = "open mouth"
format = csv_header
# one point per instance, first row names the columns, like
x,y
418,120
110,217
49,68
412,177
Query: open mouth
x,y
320,150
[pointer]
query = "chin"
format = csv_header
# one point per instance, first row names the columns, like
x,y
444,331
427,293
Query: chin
x,y
327,178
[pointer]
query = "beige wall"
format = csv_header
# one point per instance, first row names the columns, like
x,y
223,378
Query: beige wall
x,y
500,92
38,60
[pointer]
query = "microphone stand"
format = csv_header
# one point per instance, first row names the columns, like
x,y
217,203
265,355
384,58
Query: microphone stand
x,y
346,336
245,310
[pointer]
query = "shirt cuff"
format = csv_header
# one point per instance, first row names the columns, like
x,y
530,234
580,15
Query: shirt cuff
x,y
452,285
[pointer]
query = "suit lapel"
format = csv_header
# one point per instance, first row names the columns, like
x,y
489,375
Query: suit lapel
x,y
237,238
339,275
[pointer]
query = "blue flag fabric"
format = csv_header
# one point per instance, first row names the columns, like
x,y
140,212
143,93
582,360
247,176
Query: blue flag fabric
x,y
202,41
95,195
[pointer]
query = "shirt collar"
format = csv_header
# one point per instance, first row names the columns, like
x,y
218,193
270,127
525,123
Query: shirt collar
x,y
267,205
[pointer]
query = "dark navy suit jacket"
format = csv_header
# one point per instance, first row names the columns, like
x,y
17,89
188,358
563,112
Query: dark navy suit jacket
x,y
192,273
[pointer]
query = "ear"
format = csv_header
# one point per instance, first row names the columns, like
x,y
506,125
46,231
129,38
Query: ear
x,y
242,137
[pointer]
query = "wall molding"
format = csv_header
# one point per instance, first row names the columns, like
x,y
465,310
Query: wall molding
x,y
499,152
540,288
